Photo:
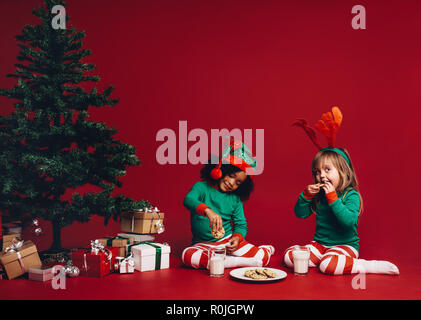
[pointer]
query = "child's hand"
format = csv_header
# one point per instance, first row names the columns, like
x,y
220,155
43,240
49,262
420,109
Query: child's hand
x,y
328,187
233,244
313,188
215,219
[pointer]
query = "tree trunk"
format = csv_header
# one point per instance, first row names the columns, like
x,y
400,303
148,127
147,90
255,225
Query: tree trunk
x,y
56,245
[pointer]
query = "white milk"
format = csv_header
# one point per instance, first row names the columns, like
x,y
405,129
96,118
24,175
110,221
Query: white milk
x,y
216,266
300,258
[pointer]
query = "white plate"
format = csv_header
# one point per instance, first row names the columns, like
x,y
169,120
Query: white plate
x,y
239,274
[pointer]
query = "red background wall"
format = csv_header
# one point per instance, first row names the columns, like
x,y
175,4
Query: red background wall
x,y
259,65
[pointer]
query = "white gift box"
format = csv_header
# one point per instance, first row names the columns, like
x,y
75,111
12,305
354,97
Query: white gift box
x,y
125,265
146,259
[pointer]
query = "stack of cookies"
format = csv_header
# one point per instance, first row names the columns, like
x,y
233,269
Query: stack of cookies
x,y
259,274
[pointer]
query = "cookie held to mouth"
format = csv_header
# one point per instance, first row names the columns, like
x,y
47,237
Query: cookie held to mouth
x,y
218,234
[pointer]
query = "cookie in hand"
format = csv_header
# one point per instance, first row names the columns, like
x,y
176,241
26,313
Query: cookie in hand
x,y
218,234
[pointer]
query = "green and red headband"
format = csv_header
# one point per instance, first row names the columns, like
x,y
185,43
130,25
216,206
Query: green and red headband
x,y
328,126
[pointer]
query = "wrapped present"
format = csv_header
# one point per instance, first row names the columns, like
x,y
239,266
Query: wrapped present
x,y
124,265
12,227
6,240
18,258
142,221
137,238
121,243
42,273
151,256
97,261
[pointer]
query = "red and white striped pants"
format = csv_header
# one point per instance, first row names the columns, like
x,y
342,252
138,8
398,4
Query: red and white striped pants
x,y
196,256
330,260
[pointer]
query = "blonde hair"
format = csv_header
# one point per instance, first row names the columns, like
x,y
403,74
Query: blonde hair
x,y
347,176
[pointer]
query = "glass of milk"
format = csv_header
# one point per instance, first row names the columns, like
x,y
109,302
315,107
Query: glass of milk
x,y
216,261
301,257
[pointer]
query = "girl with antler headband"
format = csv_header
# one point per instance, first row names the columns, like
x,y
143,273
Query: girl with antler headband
x,y
335,198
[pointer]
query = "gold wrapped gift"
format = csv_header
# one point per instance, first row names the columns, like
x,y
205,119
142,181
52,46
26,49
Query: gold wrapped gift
x,y
142,222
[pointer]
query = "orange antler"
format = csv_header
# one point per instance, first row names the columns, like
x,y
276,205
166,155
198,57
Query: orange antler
x,y
329,125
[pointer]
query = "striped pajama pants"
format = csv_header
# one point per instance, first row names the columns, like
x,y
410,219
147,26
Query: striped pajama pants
x,y
196,256
333,260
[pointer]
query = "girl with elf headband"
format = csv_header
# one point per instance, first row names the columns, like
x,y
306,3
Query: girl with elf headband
x,y
335,198
216,212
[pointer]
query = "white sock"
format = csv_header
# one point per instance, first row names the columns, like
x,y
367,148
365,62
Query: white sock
x,y
375,266
233,262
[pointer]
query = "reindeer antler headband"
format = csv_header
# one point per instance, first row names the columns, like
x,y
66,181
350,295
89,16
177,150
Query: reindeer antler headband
x,y
328,126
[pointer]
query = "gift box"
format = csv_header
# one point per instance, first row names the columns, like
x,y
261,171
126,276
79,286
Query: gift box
x,y
93,263
12,227
142,222
121,243
137,238
124,265
19,258
42,273
151,256
6,240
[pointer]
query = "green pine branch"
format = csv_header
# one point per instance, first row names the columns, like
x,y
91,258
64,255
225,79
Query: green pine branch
x,y
48,143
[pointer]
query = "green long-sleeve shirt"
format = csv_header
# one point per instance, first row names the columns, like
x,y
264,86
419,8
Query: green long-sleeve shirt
x,y
228,205
336,222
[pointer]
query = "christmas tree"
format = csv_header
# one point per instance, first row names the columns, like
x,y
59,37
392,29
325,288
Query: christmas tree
x,y
48,145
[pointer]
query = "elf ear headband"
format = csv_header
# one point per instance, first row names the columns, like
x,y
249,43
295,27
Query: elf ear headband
x,y
237,154
216,172
328,126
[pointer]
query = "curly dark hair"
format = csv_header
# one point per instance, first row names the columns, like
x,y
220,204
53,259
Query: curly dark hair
x,y
243,191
